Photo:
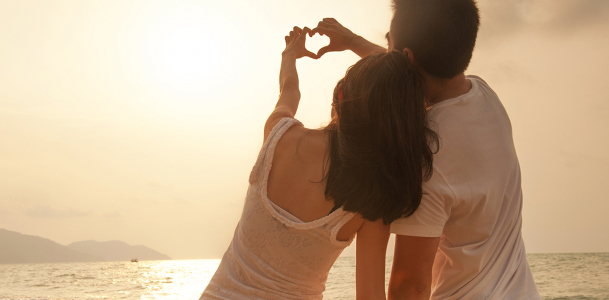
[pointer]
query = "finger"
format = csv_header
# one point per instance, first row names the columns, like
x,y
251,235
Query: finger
x,y
324,24
331,20
311,55
297,29
306,30
323,50
287,40
311,33
319,29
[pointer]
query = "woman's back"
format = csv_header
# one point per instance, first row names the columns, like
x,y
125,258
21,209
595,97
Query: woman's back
x,y
296,180
274,254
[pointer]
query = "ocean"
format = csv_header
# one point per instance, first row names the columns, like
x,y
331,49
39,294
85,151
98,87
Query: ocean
x,y
558,276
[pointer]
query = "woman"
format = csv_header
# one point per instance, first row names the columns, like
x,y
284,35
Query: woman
x,y
312,190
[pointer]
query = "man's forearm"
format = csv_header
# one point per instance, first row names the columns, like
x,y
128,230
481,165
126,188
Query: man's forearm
x,y
406,291
411,273
363,47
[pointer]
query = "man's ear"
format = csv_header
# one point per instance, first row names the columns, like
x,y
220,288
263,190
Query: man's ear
x,y
408,52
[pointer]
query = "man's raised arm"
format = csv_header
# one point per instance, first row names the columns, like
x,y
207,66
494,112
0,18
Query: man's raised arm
x,y
342,39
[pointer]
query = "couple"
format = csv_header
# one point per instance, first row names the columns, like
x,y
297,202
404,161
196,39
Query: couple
x,y
378,167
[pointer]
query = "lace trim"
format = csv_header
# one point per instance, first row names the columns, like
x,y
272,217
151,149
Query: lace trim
x,y
346,218
268,152
262,154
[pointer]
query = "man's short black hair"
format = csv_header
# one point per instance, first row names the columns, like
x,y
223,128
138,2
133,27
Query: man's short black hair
x,y
440,33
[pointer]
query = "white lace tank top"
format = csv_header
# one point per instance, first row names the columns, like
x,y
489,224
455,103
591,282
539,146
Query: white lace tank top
x,y
274,255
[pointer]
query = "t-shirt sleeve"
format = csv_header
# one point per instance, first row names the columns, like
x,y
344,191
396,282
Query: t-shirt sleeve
x,y
433,212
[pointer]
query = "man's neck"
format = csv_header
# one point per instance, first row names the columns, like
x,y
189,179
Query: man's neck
x,y
443,89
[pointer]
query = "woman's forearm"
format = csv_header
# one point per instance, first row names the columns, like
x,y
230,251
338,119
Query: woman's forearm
x,y
288,76
289,91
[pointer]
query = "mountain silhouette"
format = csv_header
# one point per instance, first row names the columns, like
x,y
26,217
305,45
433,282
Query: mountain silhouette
x,y
21,248
117,251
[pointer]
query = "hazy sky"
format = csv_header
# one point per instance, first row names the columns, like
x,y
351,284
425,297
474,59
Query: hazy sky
x,y
140,120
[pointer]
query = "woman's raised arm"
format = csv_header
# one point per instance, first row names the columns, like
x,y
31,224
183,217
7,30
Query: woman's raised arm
x,y
289,91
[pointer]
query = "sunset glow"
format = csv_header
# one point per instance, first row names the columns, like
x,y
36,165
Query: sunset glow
x,y
140,120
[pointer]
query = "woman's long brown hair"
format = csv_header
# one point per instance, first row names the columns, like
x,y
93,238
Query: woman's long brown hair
x,y
380,140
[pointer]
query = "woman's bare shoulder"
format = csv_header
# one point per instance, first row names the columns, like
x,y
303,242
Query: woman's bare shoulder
x,y
308,144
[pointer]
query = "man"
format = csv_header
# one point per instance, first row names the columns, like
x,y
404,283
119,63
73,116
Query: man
x,y
464,241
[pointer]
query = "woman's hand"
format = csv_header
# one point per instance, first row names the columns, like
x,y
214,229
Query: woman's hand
x,y
295,43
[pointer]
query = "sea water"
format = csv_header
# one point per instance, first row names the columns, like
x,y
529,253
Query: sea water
x,y
558,276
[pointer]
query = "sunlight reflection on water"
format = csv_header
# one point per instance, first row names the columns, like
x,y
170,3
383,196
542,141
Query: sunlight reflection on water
x,y
558,276
176,279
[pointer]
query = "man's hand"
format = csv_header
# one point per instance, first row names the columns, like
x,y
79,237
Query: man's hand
x,y
295,43
341,38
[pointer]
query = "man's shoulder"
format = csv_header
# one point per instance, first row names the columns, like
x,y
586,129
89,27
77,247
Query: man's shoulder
x,y
477,79
475,137
479,108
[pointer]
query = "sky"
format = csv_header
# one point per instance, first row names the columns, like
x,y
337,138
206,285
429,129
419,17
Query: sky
x,y
141,120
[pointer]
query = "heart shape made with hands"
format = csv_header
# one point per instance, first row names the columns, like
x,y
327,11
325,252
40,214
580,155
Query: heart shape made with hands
x,y
316,42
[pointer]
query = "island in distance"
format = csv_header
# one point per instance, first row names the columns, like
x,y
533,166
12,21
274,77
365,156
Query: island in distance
x,y
20,248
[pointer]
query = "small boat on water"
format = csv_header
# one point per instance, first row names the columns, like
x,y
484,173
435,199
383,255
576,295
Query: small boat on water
x,y
134,260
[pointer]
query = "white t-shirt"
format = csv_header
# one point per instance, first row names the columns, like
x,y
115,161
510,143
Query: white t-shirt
x,y
473,202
